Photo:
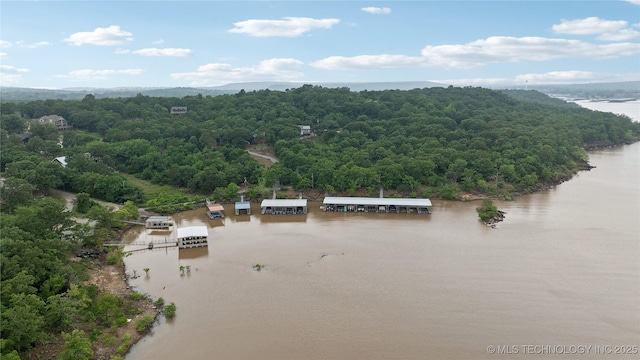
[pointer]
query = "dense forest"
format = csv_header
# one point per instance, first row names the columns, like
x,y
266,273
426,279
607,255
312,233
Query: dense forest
x,y
433,142
436,142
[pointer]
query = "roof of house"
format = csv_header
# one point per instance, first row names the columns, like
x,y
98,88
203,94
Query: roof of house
x,y
62,160
283,202
192,231
51,118
376,201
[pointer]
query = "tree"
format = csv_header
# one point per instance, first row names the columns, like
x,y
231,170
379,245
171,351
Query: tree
x,y
22,322
65,310
12,123
84,203
76,346
129,211
487,210
15,192
46,216
170,311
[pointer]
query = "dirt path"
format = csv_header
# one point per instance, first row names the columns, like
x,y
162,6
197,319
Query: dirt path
x,y
270,158
70,198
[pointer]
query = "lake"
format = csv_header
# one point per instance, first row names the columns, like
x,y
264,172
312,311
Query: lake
x,y
562,271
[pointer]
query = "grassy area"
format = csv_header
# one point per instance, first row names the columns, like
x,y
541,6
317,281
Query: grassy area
x,y
264,150
152,190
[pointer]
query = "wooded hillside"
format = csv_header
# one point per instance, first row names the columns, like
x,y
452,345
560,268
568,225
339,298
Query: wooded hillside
x,y
429,142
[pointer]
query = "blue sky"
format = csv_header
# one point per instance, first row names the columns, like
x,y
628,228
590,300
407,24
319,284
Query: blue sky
x,y
54,44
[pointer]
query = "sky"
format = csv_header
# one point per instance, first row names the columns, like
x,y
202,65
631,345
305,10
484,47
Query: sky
x,y
110,44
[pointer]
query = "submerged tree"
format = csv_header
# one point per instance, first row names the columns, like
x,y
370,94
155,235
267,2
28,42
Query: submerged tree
x,y
487,210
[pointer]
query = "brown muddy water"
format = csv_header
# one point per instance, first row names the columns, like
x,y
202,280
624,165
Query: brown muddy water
x,y
562,271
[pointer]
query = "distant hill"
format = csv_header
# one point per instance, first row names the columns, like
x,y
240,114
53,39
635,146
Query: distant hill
x,y
610,90
353,86
614,90
29,94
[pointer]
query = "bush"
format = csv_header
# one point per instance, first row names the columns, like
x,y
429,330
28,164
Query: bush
x,y
170,311
109,341
137,296
144,323
159,303
487,210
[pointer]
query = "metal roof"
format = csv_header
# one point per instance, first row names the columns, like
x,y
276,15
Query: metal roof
x,y
192,231
215,207
283,202
242,205
377,201
62,160
158,219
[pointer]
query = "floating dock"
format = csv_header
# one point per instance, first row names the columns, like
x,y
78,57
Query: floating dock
x,y
193,236
215,210
283,207
243,206
158,222
378,205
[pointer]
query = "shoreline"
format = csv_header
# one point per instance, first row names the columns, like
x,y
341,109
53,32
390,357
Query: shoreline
x,y
318,196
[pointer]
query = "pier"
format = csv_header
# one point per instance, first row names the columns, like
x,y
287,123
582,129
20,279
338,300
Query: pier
x,y
214,210
377,205
283,207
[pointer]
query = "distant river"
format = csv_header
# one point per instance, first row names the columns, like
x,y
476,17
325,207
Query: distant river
x,y
561,274
629,108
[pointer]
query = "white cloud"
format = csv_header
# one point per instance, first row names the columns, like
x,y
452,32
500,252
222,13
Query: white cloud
x,y
170,52
91,74
109,36
634,2
559,77
289,27
475,82
11,75
377,10
3,54
384,61
123,51
22,44
12,69
622,35
608,30
500,49
159,42
588,26
220,73
496,49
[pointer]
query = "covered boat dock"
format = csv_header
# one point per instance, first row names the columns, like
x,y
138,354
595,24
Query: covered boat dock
x,y
158,222
193,236
243,206
284,206
378,205
215,210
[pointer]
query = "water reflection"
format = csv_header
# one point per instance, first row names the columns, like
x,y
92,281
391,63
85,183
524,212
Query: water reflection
x,y
192,253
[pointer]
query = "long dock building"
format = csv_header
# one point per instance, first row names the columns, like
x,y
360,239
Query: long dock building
x,y
283,206
158,222
193,236
378,205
